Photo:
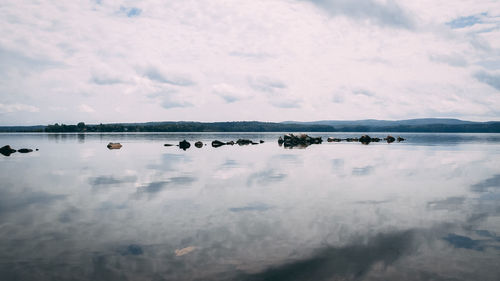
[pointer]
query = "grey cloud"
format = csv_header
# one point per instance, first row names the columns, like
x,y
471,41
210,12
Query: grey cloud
x,y
167,103
156,75
286,103
174,182
483,186
251,207
386,14
265,177
490,79
18,201
102,80
363,92
362,171
350,262
110,180
451,203
265,84
11,60
453,60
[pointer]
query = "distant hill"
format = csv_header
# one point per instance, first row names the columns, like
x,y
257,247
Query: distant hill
x,y
387,123
370,125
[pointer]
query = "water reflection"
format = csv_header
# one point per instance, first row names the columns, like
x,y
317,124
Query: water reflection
x,y
77,211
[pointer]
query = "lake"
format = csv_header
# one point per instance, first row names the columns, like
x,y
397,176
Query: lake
x,y
427,208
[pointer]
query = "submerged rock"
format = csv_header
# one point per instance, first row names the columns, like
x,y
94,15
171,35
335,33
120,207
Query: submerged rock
x,y
114,145
25,150
230,143
261,141
184,145
168,144
400,139
217,143
198,144
7,150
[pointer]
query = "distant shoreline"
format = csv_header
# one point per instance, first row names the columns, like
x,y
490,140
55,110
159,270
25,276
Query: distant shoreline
x,y
428,125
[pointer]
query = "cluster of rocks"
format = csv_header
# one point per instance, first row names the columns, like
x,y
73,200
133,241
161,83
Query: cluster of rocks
x,y
7,150
365,139
216,143
302,140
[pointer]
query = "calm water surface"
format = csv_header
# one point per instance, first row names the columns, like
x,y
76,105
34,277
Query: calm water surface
x,y
424,209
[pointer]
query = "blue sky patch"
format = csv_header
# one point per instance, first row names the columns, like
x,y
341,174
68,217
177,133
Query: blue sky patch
x,y
462,22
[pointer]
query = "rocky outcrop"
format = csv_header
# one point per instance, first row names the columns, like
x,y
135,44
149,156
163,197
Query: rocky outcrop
x,y
114,145
365,139
25,150
245,142
302,140
198,144
389,139
7,150
217,143
184,145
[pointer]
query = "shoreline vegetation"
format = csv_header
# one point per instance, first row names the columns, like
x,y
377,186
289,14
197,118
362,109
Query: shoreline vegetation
x,y
427,125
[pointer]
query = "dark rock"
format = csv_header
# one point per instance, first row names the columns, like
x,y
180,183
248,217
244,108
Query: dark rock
x,y
168,144
280,141
230,143
36,149
217,143
375,139
7,150
400,139
365,139
25,150
244,142
184,145
389,139
261,141
333,140
302,140
351,139
198,144
114,145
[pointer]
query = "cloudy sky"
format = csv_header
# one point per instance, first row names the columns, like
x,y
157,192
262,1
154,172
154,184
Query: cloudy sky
x,y
267,60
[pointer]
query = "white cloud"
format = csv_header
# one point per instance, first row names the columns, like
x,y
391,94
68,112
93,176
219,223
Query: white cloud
x,y
85,108
218,60
17,107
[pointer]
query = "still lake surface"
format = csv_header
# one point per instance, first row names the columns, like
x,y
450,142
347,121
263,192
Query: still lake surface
x,y
424,209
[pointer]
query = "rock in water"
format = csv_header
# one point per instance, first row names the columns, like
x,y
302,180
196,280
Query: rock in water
x,y
168,144
217,143
184,145
114,145
400,139
365,139
25,150
198,144
390,139
7,150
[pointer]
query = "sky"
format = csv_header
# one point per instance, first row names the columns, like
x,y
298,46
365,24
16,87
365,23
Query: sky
x,y
99,61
